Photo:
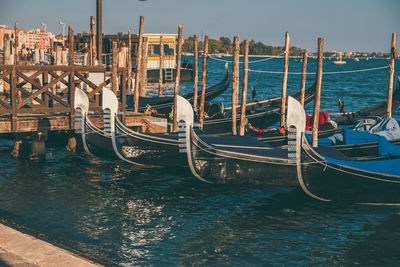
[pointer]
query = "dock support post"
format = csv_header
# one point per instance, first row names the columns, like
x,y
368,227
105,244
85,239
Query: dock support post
x,y
16,152
99,21
71,81
393,54
178,77
138,64
71,146
244,89
160,71
37,54
284,80
195,71
303,79
129,61
317,99
143,81
114,68
16,44
235,82
203,82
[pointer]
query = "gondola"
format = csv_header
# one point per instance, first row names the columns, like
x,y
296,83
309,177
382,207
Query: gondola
x,y
163,105
346,181
379,110
261,116
249,161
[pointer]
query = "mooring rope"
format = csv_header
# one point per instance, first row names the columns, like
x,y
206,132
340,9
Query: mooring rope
x,y
250,62
309,73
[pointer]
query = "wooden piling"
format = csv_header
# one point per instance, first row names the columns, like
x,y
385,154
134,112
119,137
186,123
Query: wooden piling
x,y
138,64
195,71
92,42
284,80
7,50
64,60
317,99
244,89
114,68
71,79
36,58
160,72
143,82
129,62
303,79
178,77
393,54
235,82
16,44
99,35
203,82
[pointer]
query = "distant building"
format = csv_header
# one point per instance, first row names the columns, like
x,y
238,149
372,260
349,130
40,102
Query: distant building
x,y
28,38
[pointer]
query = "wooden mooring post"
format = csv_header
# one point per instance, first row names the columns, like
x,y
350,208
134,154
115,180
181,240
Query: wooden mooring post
x,y
303,79
160,70
244,89
284,80
138,64
129,62
195,70
16,44
99,21
235,82
92,42
143,71
393,54
317,99
178,77
71,78
7,50
114,67
203,82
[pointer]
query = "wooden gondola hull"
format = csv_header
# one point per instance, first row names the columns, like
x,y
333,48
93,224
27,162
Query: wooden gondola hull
x,y
343,184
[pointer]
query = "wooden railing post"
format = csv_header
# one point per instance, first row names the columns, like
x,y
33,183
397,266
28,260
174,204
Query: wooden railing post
x,y
303,79
203,82
177,78
284,80
195,71
244,89
235,82
391,74
160,71
317,100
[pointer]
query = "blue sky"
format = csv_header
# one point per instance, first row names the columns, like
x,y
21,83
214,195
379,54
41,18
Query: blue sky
x,y
346,25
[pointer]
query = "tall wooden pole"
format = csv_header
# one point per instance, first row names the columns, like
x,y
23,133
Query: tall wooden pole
x,y
138,64
99,21
7,50
16,44
195,71
143,71
160,73
129,63
391,74
114,68
244,89
317,100
303,79
92,41
71,80
235,82
284,80
178,77
203,82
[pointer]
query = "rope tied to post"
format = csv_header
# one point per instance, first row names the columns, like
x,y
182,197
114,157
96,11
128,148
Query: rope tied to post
x,y
250,62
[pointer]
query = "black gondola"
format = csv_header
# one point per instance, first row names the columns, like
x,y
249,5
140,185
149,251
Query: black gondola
x,y
343,180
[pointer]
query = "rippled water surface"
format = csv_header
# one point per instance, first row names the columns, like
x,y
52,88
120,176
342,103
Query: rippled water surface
x,y
107,210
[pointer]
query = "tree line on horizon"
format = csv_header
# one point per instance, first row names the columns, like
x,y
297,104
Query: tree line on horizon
x,y
224,45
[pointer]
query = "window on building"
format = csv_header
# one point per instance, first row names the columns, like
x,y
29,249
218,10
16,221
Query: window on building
x,y
154,49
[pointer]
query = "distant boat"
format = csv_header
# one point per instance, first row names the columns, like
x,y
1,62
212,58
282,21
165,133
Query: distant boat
x,y
356,59
340,61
